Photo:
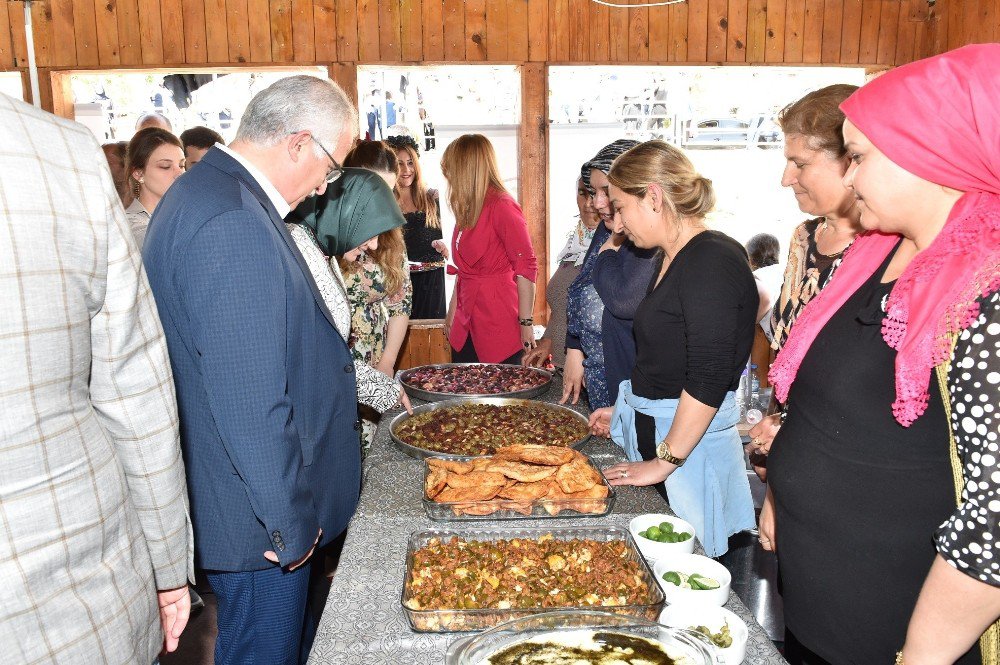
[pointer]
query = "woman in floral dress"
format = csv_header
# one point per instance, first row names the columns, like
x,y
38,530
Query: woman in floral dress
x,y
378,286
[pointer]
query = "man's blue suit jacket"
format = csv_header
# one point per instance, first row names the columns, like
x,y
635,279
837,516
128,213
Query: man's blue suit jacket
x,y
265,383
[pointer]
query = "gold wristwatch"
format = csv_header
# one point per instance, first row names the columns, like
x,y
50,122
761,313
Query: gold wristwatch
x,y
663,452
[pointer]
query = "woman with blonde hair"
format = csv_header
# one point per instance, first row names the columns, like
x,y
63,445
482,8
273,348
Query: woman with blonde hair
x,y
693,334
425,248
490,315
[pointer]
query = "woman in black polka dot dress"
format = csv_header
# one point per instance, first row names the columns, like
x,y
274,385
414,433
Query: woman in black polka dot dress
x,y
885,476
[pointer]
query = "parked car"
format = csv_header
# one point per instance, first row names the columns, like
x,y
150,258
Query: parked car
x,y
732,132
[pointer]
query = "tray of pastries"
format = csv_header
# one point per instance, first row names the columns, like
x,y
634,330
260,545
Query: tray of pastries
x,y
517,482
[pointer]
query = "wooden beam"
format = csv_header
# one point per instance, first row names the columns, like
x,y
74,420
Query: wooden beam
x,y
345,74
532,173
325,23
60,94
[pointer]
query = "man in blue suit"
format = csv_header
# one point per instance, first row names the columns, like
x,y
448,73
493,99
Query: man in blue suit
x,y
265,383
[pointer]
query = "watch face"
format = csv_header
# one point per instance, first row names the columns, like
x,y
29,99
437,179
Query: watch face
x,y
661,450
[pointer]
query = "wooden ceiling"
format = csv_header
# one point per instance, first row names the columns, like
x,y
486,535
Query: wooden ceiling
x,y
81,34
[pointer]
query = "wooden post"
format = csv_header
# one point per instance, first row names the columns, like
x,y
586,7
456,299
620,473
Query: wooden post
x,y
533,173
62,94
345,74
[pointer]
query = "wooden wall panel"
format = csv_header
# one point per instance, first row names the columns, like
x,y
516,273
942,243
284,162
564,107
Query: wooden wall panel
x,y
347,31
795,21
559,31
579,30
600,30
129,40
63,37
85,27
151,32
887,31
389,29
195,36
618,28
260,30
638,35
518,49
659,34
538,30
833,26
868,50
172,27
812,32
7,57
454,30
109,33
906,36
108,43
496,33
216,31
774,50
41,22
850,32
432,25
756,30
956,24
411,34
697,33
368,36
475,30
304,31
736,31
718,30
238,25
325,24
678,32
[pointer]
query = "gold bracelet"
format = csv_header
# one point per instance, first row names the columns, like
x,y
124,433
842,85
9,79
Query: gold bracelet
x,y
899,657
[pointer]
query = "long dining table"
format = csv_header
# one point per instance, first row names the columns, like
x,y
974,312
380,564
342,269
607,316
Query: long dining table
x,y
363,620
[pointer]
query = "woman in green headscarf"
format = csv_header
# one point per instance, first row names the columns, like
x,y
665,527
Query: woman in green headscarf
x,y
345,221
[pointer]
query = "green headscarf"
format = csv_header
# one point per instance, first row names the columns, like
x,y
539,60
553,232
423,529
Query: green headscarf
x,y
356,207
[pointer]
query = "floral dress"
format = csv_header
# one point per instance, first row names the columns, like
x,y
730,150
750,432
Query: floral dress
x,y
371,309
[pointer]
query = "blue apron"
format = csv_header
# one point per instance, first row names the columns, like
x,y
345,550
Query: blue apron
x,y
711,490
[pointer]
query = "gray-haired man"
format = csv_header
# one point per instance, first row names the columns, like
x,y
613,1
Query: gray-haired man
x,y
265,383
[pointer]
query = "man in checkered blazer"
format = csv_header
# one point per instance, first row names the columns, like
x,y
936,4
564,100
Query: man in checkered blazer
x,y
95,540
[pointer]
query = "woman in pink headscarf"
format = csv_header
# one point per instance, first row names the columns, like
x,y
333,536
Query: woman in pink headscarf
x,y
885,478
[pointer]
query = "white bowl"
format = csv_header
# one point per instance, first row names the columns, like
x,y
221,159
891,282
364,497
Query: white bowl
x,y
687,615
693,563
653,550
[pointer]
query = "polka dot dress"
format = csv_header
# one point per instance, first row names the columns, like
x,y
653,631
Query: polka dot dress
x,y
970,539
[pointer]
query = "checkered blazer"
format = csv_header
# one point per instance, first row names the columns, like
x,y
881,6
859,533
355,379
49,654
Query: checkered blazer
x,y
93,501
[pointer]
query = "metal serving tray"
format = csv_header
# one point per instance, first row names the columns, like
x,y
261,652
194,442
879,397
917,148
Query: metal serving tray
x,y
459,620
429,396
508,509
421,453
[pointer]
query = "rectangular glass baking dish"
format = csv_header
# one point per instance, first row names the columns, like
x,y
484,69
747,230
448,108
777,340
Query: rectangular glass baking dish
x,y
469,620
510,509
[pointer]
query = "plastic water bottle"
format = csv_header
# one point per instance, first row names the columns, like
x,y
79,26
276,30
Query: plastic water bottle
x,y
741,395
753,413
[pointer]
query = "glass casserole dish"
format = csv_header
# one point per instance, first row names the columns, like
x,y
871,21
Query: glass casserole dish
x,y
576,575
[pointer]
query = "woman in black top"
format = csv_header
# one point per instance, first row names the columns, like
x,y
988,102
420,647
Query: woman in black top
x,y
693,334
425,248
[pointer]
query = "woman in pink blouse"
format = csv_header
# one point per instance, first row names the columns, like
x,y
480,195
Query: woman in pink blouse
x,y
490,314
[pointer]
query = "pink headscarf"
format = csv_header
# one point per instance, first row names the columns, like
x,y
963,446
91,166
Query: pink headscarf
x,y
937,118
